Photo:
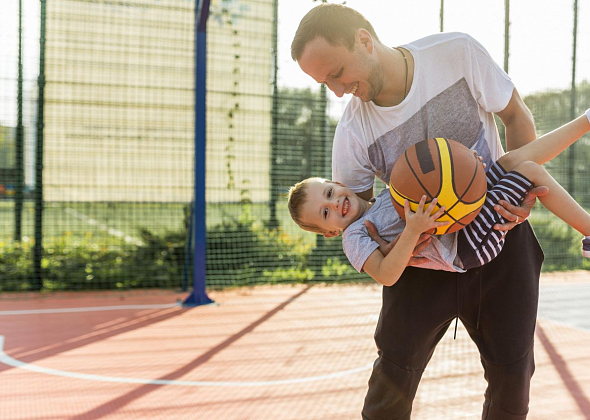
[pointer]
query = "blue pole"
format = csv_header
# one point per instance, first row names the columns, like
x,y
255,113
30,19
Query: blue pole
x,y
199,294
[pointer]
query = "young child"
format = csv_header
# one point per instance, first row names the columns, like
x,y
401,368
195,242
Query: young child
x,y
329,208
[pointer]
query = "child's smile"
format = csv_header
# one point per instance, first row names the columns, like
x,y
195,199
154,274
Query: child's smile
x,y
332,207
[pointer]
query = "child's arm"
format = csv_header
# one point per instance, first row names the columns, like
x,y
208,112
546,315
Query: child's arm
x,y
387,270
550,145
541,150
385,246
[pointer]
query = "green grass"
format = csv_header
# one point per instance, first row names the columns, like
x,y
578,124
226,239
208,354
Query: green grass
x,y
102,219
560,243
105,220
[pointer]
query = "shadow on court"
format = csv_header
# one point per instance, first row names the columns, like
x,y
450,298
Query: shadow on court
x,y
123,400
290,352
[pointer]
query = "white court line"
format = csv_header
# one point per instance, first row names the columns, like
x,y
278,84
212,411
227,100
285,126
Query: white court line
x,y
7,360
103,227
88,309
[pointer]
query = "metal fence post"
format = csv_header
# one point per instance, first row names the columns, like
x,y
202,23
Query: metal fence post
x,y
19,156
199,294
571,151
37,282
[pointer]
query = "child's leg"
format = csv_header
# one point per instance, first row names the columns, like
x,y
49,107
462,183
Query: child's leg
x,y
557,200
548,146
479,243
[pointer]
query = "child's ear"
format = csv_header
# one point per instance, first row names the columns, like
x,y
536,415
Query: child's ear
x,y
331,234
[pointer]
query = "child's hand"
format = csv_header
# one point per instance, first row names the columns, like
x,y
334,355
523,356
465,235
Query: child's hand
x,y
479,158
423,219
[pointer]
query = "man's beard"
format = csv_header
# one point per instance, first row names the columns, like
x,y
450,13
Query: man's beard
x,y
375,80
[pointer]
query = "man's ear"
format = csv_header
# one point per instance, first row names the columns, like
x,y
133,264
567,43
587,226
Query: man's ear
x,y
365,39
331,234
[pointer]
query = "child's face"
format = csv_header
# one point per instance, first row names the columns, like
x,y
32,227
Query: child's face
x,y
331,206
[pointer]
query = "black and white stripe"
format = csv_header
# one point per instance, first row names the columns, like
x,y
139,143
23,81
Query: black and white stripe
x,y
479,243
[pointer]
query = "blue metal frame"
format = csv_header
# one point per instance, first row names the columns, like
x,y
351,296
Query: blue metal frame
x,y
199,294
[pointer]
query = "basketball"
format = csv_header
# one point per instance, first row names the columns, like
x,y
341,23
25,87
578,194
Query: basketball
x,y
441,168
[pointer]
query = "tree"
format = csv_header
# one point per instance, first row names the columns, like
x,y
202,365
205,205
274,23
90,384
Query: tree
x,y
304,137
552,109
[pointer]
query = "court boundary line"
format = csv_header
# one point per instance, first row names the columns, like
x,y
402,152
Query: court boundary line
x,y
10,361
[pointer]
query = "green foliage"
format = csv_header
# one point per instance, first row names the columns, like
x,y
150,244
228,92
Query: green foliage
x,y
304,136
551,109
329,262
271,256
241,252
68,264
7,156
14,266
160,260
560,243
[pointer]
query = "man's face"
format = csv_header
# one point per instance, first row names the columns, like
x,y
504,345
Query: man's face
x,y
331,206
356,72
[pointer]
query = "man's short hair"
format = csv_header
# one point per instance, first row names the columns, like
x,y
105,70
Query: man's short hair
x,y
336,23
296,198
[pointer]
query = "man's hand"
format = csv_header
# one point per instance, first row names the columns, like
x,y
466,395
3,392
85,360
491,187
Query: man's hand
x,y
385,246
518,214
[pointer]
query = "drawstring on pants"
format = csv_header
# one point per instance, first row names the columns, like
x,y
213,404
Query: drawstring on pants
x,y
479,303
457,317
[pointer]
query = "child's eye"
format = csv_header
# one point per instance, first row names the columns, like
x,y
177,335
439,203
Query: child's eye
x,y
330,193
325,213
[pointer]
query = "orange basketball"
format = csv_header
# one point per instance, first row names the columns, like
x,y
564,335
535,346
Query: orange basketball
x,y
440,168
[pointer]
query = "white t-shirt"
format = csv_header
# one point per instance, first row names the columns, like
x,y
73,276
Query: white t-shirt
x,y
456,88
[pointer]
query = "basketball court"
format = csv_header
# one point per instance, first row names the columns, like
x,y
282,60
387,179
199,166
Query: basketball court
x,y
300,352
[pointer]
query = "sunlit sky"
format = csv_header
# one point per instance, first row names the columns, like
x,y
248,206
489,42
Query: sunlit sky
x,y
541,42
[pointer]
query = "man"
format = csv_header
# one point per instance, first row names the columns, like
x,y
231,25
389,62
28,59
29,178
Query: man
x,y
445,85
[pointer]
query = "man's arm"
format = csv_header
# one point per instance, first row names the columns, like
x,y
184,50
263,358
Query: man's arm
x,y
519,123
520,130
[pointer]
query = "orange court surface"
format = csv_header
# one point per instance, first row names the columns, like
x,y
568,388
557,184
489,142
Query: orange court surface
x,y
290,352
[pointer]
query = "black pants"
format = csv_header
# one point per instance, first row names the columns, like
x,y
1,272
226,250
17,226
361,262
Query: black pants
x,y
497,303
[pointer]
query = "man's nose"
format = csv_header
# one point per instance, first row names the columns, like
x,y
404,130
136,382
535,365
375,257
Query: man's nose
x,y
337,88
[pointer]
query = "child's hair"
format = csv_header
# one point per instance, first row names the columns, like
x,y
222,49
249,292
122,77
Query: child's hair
x,y
336,23
297,197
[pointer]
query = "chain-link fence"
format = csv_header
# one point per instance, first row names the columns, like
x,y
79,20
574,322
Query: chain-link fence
x,y
97,138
